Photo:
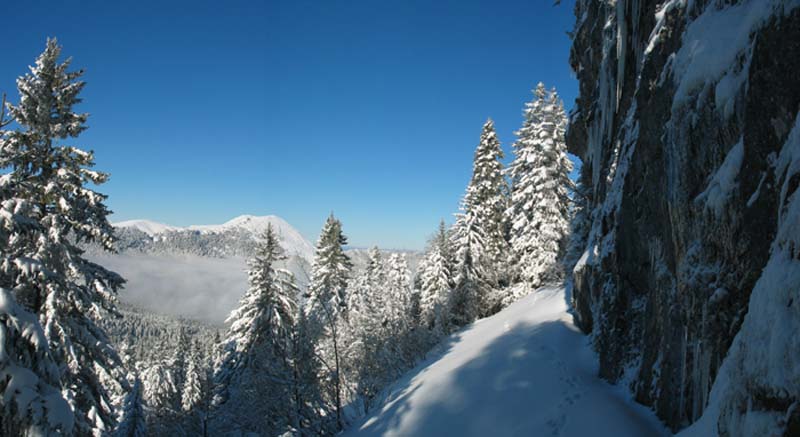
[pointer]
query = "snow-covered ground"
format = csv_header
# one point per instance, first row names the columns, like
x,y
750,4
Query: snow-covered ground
x,y
527,371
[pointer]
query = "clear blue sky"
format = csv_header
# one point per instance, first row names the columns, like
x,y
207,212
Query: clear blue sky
x,y
202,111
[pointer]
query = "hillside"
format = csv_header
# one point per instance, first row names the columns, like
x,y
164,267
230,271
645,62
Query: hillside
x,y
525,371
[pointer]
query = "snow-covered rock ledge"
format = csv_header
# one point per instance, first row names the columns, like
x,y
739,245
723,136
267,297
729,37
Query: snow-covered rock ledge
x,y
686,124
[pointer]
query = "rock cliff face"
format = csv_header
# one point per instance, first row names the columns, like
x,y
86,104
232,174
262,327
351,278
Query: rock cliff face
x,y
687,125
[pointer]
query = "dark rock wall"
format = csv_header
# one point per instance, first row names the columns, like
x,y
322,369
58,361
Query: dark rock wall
x,y
673,246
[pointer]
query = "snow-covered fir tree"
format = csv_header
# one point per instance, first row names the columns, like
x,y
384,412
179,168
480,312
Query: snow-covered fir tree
x,y
132,422
365,336
371,285
540,186
197,392
49,187
436,283
30,402
29,378
330,273
159,394
398,292
327,306
479,239
307,399
192,393
256,372
404,338
486,199
469,284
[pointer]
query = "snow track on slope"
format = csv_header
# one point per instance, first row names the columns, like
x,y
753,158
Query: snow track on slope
x,y
526,371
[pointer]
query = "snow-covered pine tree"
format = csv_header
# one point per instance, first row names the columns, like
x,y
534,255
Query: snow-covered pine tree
x,y
374,280
46,271
436,277
192,391
178,367
469,284
540,185
375,269
132,422
256,372
30,402
201,412
28,375
480,231
398,293
306,394
402,309
159,392
365,338
486,200
196,392
362,299
330,273
327,303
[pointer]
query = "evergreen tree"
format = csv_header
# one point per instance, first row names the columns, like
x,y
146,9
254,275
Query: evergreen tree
x,y
306,398
469,287
132,422
539,212
479,239
373,281
48,188
192,392
197,392
375,269
436,283
398,293
329,273
256,373
178,368
367,322
30,402
160,391
327,304
28,376
486,200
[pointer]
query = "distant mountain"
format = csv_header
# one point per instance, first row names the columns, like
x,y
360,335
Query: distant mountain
x,y
236,237
147,226
198,271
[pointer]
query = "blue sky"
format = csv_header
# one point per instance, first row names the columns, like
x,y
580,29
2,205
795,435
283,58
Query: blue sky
x,y
202,111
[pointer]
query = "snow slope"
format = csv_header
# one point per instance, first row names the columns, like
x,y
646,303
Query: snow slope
x,y
526,371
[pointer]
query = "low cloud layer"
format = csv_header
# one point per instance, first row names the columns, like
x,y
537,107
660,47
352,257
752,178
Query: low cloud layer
x,y
180,285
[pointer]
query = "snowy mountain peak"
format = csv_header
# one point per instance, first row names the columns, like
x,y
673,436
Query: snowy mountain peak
x,y
149,227
293,242
249,222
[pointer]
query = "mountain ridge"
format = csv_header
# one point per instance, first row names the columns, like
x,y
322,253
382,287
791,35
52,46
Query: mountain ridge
x,y
293,241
